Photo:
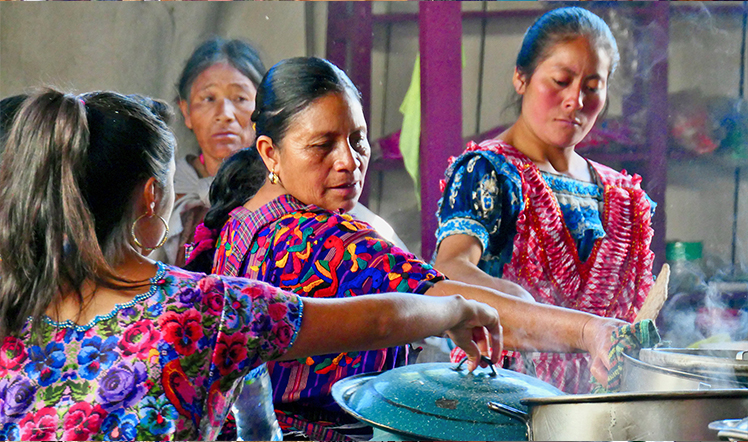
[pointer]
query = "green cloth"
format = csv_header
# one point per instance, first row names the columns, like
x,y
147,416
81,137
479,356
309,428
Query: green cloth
x,y
410,133
628,339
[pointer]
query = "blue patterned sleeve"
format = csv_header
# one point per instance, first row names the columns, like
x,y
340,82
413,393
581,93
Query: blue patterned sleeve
x,y
482,199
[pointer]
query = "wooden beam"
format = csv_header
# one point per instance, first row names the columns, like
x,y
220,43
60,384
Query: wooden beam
x,y
440,40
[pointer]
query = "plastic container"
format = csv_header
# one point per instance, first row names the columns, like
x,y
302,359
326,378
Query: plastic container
x,y
686,273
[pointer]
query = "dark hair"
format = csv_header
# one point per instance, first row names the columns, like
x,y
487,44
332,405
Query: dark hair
x,y
287,89
238,53
558,26
8,109
159,108
561,25
69,175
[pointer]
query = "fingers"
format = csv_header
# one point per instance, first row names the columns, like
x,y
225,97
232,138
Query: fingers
x,y
463,339
600,372
497,340
482,334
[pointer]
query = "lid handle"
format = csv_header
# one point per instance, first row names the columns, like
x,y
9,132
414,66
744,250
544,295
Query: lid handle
x,y
482,359
506,410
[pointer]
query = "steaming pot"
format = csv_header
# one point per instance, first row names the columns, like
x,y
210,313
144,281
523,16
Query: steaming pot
x,y
675,369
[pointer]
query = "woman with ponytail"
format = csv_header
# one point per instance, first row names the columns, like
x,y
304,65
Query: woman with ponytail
x,y
97,341
279,215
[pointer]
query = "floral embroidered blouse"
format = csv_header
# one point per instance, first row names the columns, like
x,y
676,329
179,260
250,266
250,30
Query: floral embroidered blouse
x,y
163,366
313,252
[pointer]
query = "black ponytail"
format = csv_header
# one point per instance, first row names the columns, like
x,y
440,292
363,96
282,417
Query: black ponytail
x,y
67,180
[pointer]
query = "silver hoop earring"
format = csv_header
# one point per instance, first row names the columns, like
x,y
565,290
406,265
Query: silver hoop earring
x,y
273,177
137,241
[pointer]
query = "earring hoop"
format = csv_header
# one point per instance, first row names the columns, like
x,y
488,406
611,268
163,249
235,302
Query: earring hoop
x,y
137,241
273,177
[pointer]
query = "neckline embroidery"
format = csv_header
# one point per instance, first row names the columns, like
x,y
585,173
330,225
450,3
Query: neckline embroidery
x,y
160,273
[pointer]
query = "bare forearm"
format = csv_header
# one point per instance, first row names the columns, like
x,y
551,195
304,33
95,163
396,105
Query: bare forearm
x,y
374,321
462,270
527,325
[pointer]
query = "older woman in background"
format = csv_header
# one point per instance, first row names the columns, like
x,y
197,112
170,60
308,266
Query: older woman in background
x,y
216,97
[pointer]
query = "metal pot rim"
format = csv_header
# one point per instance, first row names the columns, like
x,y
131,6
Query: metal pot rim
x,y
705,377
699,361
639,396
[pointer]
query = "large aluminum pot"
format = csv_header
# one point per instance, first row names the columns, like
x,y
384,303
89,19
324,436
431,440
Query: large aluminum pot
x,y
682,416
668,369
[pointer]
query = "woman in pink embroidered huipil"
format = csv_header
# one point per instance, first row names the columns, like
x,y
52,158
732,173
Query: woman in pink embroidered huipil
x,y
526,211
98,342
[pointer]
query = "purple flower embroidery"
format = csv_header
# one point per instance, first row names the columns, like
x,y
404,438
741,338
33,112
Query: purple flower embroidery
x,y
190,296
122,386
16,397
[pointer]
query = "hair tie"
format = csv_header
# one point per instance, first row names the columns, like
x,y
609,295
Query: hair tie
x,y
83,102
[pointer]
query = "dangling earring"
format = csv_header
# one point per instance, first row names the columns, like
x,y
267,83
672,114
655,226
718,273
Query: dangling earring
x,y
273,177
137,241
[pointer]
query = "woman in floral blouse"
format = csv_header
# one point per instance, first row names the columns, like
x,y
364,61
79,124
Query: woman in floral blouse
x,y
99,342
291,230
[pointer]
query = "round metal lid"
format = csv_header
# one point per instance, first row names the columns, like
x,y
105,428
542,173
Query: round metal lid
x,y
441,401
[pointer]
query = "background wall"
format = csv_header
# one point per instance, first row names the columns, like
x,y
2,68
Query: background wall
x,y
141,47
134,47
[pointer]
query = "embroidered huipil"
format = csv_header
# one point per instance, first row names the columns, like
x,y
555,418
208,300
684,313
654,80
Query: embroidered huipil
x,y
578,245
161,367
313,252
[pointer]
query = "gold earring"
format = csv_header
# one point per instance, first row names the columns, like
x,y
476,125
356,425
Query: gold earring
x,y
273,177
137,241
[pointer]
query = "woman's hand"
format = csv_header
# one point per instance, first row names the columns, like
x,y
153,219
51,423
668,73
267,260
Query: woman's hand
x,y
596,338
480,333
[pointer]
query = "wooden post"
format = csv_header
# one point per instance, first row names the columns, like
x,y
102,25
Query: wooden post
x,y
440,40
349,46
657,127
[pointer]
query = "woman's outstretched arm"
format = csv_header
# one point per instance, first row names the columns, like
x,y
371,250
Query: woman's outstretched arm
x,y
540,327
378,321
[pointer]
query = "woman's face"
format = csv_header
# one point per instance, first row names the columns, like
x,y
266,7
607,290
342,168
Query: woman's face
x,y
323,157
220,105
566,93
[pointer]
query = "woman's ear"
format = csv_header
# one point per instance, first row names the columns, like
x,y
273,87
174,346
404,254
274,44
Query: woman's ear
x,y
519,81
152,195
184,106
268,152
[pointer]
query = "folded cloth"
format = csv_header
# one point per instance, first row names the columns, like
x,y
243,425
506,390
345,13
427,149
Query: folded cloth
x,y
629,339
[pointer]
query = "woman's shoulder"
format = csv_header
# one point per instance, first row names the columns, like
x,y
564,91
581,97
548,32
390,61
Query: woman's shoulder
x,y
177,281
610,176
477,160
496,154
186,178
